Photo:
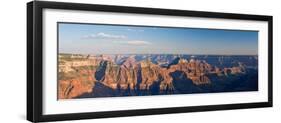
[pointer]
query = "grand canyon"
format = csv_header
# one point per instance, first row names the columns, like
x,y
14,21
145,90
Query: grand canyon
x,y
118,75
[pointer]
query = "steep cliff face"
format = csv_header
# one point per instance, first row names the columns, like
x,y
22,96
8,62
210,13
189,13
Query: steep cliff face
x,y
73,84
122,77
194,69
128,74
149,74
110,75
166,80
152,73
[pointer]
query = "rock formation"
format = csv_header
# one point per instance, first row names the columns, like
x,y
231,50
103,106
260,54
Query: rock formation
x,y
149,74
194,69
122,77
78,77
76,83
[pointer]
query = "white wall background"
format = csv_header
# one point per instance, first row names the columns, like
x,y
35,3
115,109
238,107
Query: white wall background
x,y
13,61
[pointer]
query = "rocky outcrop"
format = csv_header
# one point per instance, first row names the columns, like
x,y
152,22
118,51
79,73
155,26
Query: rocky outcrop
x,y
166,80
121,77
110,75
149,74
73,84
152,73
199,80
194,69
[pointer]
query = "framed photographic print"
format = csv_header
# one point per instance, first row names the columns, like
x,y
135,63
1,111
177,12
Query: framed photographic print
x,y
95,61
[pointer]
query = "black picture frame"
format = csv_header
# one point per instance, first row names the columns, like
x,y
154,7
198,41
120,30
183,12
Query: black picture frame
x,y
35,69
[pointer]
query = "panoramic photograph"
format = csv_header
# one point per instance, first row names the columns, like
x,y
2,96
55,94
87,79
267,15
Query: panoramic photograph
x,y
101,60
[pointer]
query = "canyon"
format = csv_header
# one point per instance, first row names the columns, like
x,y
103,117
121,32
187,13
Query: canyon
x,y
81,74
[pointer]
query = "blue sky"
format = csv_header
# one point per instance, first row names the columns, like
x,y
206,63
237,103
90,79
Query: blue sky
x,y
117,39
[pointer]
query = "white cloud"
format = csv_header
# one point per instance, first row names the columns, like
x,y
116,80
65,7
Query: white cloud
x,y
134,42
104,35
138,42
